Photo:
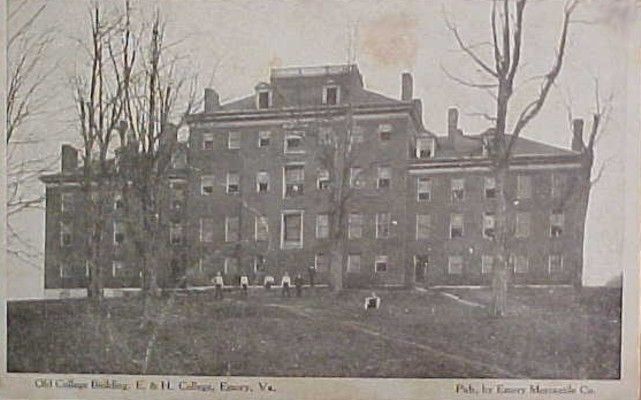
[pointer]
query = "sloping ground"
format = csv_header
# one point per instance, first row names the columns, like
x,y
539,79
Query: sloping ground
x,y
412,335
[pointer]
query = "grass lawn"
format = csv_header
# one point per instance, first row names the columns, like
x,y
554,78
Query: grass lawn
x,y
546,334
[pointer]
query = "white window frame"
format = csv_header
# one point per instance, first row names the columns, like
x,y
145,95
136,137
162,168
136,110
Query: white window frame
x,y
385,129
256,258
379,259
320,234
489,183
516,261
269,98
232,138
227,186
351,257
325,92
260,220
430,146
265,134
289,245
208,138
228,220
427,221
487,264
378,223
204,179
452,219
454,187
352,228
322,173
355,178
302,183
428,182
451,262
260,174
561,263
294,135
489,222
384,172
523,218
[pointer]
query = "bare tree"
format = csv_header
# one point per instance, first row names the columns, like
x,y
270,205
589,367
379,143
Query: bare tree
x,y
506,25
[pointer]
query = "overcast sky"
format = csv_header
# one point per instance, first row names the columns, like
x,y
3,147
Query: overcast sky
x,y
240,40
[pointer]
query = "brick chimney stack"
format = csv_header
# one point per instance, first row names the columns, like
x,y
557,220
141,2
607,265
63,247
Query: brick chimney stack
x,y
407,86
212,100
577,135
69,159
452,122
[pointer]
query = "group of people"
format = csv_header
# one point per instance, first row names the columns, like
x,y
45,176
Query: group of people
x,y
269,281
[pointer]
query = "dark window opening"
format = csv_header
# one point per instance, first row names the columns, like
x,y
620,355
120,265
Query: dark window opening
x,y
332,96
263,100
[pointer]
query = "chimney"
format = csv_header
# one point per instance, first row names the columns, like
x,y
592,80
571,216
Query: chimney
x,y
418,109
212,101
69,159
407,86
452,122
577,135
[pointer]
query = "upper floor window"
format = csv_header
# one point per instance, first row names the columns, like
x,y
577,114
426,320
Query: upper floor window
x,y
384,177
520,263
523,186
557,220
321,261
458,189
264,138
331,95
456,226
522,224
323,179
385,131
294,143
294,180
355,177
383,222
353,263
322,226
178,190
233,182
555,264
175,233
119,203
292,230
355,226
119,233
207,185
232,229
422,226
557,185
264,99
262,182
208,141
261,228
487,264
233,140
231,266
65,234
357,135
207,230
381,263
325,135
489,184
424,148
66,202
455,265
488,225
424,189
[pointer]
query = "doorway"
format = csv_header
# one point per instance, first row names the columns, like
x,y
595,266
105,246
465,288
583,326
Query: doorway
x,y
421,262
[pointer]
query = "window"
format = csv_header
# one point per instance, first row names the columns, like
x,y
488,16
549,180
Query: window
x,y
231,266
381,263
385,132
325,136
384,177
233,140
292,230
322,226
330,95
178,190
555,264
322,262
232,229
207,230
259,263
66,202
522,224
424,148
355,177
521,264
557,185
357,135
487,264
119,233
490,187
383,221
264,99
72,270
208,141
456,226
294,144
264,138
294,179
353,263
262,182
175,233
119,204
523,186
118,268
424,189
261,228
488,225
207,185
458,189
233,183
355,226
422,226
323,179
557,219
455,265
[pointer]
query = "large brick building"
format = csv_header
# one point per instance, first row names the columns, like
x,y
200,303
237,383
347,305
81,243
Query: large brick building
x,y
256,193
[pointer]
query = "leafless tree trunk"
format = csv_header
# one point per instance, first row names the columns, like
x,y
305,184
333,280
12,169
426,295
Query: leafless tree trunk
x,y
506,27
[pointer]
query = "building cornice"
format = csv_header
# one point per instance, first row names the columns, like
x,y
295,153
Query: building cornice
x,y
519,162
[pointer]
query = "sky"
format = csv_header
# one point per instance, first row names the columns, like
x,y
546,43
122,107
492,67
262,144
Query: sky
x,y
237,42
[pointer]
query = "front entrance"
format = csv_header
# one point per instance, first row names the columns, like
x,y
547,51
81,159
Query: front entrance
x,y
421,262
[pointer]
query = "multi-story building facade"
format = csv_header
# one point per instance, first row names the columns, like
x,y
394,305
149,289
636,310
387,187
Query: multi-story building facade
x,y
266,176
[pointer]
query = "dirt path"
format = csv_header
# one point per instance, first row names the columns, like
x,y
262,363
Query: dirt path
x,y
306,312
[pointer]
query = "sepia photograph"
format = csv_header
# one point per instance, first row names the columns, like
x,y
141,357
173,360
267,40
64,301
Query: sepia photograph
x,y
337,189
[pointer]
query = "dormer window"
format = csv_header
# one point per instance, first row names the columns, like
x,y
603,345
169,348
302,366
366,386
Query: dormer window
x,y
385,132
424,148
331,95
263,96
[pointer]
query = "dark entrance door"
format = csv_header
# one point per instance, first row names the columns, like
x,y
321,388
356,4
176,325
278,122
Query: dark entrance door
x,y
421,262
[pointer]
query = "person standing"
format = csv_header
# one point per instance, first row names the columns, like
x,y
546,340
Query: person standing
x,y
285,283
312,274
218,285
298,282
244,284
